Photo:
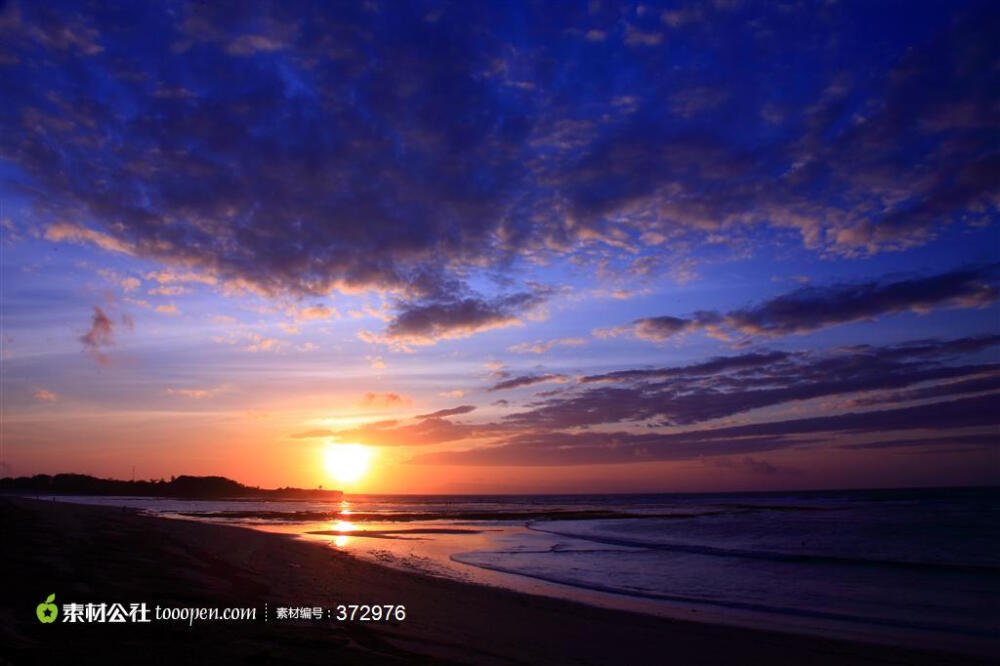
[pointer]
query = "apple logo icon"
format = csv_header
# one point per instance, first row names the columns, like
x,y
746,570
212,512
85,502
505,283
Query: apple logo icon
x,y
47,611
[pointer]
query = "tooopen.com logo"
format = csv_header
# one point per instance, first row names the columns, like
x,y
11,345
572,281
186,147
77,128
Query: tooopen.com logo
x,y
47,611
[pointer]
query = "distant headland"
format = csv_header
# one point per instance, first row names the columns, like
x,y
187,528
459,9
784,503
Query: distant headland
x,y
180,487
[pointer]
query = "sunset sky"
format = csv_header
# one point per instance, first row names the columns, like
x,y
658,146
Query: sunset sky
x,y
510,247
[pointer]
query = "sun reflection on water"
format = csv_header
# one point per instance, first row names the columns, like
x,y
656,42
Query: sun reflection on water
x,y
341,540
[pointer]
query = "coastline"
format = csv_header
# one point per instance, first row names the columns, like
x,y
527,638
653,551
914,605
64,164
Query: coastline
x,y
89,553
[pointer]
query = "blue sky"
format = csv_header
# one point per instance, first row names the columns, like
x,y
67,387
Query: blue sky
x,y
235,234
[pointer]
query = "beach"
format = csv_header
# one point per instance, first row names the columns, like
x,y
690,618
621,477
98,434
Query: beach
x,y
102,554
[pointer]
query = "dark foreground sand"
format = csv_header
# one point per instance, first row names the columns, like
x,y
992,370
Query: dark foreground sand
x,y
85,553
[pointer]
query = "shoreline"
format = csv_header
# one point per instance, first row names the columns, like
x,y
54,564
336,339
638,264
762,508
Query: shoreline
x,y
90,553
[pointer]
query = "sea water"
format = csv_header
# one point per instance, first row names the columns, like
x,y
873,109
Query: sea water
x,y
919,566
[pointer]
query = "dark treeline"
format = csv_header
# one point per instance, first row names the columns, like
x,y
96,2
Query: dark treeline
x,y
186,487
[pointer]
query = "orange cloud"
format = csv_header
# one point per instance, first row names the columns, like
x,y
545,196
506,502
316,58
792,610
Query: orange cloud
x,y
384,400
64,231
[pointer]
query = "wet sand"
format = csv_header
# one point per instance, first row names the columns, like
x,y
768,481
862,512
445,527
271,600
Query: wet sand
x,y
99,554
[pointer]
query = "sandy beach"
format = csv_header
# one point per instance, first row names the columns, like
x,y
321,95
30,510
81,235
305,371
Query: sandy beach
x,y
97,554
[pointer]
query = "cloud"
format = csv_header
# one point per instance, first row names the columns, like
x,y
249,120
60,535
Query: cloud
x,y
313,434
259,343
990,440
813,308
529,380
542,347
454,411
713,366
70,232
462,166
167,277
657,329
725,386
249,44
691,102
384,400
172,290
45,395
314,312
591,448
196,394
748,463
611,448
427,322
685,412
99,336
636,37
423,433
127,283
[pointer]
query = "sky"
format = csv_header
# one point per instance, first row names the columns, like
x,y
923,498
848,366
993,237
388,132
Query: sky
x,y
507,247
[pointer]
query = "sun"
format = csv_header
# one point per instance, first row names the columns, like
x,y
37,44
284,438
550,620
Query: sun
x,y
347,463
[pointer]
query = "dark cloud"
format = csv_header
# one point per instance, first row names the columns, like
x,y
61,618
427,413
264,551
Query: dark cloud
x,y
563,449
454,411
588,448
99,336
813,308
303,148
528,380
657,329
749,463
726,386
426,322
710,367
991,440
555,431
423,433
961,413
980,384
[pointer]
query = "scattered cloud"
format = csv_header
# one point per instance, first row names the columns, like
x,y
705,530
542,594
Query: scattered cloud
x,y
529,380
427,322
64,231
854,168
542,347
194,393
45,395
591,448
99,336
384,400
454,411
812,308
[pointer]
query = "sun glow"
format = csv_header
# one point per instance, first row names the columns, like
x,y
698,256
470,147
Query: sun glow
x,y
343,526
347,463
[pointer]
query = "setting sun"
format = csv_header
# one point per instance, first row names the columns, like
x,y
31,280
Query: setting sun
x,y
347,463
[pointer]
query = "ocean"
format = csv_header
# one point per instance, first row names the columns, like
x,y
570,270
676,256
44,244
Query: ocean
x,y
919,566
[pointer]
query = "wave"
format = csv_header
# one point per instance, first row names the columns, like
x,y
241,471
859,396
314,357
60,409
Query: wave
x,y
769,555
408,516
472,560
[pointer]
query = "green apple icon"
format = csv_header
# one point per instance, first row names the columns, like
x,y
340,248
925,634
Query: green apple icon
x,y
47,611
